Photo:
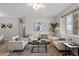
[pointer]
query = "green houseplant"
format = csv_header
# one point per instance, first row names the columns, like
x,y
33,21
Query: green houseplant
x,y
54,28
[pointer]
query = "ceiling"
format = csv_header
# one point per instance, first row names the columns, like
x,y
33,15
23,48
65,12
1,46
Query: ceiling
x,y
23,10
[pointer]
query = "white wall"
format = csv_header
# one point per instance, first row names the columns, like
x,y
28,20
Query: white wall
x,y
9,32
17,28
20,28
30,25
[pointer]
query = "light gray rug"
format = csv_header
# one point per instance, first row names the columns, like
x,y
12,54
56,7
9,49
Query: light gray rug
x,y
27,52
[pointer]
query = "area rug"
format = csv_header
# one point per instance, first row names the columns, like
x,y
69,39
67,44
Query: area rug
x,y
27,52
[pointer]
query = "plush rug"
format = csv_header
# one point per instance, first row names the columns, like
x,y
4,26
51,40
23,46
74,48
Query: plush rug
x,y
27,52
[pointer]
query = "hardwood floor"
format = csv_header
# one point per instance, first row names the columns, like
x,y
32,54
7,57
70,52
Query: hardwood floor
x,y
3,49
52,51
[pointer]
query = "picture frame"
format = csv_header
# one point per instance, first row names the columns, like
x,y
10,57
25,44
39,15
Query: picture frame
x,y
39,26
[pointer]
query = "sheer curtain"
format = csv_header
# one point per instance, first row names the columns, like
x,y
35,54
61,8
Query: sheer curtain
x,y
75,23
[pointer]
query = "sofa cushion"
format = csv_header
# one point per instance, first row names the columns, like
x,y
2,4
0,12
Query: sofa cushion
x,y
15,38
44,36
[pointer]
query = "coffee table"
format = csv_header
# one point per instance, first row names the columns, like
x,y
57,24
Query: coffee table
x,y
39,44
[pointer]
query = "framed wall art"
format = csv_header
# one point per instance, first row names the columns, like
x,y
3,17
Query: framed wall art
x,y
40,26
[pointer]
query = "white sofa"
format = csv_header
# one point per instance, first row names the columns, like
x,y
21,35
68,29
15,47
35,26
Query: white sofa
x,y
2,39
17,45
45,37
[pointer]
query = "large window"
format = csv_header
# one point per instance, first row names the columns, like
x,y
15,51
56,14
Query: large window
x,y
69,22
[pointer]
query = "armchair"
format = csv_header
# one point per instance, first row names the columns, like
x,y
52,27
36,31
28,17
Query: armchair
x,y
18,44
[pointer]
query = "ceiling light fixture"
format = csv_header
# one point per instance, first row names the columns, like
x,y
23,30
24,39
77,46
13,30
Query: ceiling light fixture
x,y
36,6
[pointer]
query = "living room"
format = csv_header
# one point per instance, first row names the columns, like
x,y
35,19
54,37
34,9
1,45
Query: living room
x,y
26,30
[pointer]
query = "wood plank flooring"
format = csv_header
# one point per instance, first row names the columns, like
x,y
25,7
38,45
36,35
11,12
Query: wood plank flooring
x,y
53,51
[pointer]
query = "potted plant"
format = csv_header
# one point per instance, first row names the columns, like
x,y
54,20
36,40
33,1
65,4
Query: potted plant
x,y
54,28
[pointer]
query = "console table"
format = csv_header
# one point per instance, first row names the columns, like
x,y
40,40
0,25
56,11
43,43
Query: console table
x,y
68,47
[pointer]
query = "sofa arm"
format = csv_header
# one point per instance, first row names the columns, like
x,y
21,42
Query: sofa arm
x,y
15,37
59,45
1,37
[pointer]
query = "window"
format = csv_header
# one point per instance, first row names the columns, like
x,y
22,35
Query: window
x,y
69,24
